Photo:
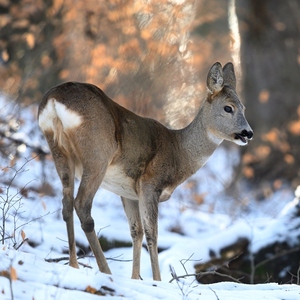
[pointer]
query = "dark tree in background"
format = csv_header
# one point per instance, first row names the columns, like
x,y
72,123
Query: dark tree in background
x,y
29,60
270,61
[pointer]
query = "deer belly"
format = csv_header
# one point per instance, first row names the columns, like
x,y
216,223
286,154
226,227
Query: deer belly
x,y
116,181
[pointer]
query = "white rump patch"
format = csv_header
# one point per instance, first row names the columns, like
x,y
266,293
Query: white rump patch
x,y
53,110
47,116
70,119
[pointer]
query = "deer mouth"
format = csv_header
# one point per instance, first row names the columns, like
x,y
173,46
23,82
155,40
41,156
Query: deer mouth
x,y
239,136
243,137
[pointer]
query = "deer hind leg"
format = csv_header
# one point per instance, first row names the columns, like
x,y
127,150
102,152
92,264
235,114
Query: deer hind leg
x,y
131,208
66,170
90,182
149,214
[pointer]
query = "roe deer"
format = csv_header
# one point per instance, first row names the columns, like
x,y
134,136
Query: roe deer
x,y
103,144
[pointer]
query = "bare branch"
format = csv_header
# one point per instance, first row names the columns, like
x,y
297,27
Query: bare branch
x,y
282,253
214,293
25,240
19,141
185,260
11,203
201,274
58,259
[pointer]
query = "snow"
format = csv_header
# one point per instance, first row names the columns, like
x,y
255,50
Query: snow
x,y
188,231
38,279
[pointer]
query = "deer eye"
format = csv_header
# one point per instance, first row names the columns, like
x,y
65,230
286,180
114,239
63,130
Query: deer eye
x,y
228,109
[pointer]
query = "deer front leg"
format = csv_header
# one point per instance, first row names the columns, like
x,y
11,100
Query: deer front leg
x,y
131,208
149,214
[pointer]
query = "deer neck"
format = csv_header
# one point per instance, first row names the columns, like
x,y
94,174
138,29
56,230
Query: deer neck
x,y
197,139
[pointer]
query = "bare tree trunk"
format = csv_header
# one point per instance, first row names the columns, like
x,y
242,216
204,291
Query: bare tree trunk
x,y
270,62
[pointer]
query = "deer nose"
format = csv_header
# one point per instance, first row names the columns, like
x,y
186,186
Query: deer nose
x,y
247,134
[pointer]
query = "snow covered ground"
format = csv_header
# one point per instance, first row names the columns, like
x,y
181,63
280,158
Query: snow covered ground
x,y
197,219
37,279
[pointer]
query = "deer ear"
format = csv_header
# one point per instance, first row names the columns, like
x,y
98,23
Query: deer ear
x,y
229,76
215,80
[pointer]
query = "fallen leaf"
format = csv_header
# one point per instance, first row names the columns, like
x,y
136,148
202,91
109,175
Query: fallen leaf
x,y
23,235
13,274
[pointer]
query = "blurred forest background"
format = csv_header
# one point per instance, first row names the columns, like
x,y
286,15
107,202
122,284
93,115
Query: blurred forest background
x,y
153,56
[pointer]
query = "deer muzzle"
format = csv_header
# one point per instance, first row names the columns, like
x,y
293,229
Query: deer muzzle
x,y
244,136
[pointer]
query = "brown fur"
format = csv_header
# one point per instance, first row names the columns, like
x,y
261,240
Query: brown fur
x,y
138,158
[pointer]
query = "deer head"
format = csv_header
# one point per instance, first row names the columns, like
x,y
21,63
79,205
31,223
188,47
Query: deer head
x,y
225,114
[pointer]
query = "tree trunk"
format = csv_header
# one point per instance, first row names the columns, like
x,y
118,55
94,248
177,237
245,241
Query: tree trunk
x,y
270,62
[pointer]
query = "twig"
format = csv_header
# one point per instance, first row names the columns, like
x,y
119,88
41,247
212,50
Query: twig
x,y
282,253
253,267
25,240
9,201
285,252
201,274
214,293
173,273
186,260
18,141
58,259
35,219
11,287
84,265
